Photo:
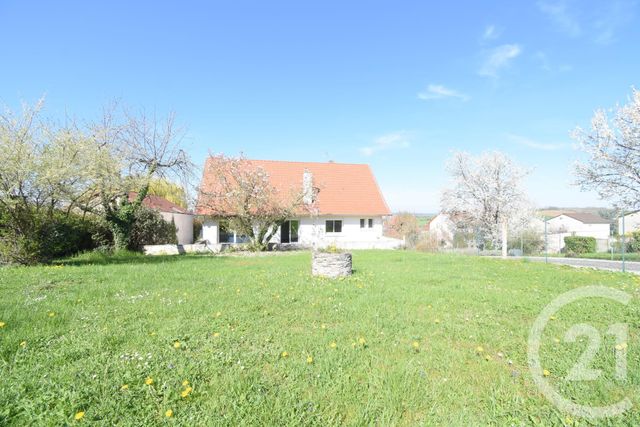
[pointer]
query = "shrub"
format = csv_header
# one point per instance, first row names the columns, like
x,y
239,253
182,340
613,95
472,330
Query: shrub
x,y
634,242
150,228
531,241
575,245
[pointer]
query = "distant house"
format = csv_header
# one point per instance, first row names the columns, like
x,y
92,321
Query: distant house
x,y
577,224
348,209
631,222
181,217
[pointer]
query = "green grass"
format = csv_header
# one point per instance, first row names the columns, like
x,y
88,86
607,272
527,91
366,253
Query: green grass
x,y
75,334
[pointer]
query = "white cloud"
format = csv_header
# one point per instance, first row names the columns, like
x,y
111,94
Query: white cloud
x,y
527,142
498,58
441,92
490,33
561,16
390,141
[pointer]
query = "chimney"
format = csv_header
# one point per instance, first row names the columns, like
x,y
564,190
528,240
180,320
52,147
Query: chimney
x,y
307,187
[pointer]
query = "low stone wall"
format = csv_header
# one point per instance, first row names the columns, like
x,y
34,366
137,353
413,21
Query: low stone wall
x,y
331,264
180,249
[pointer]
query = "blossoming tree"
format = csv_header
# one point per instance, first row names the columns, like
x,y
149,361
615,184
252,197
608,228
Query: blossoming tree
x,y
487,192
612,146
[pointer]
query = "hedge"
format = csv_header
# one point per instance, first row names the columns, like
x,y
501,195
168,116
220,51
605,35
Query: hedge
x,y
579,245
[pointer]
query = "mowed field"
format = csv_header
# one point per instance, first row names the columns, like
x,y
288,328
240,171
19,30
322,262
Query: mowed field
x,y
409,339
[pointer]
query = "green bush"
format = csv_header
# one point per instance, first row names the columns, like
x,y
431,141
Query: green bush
x,y
575,245
634,242
150,228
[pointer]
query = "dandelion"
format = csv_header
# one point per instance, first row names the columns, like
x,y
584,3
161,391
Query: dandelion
x,y
185,383
362,341
552,318
479,349
152,334
2,324
23,344
309,359
216,334
148,381
621,346
177,345
333,344
284,355
52,313
415,345
186,392
79,415
323,326
124,387
488,358
556,340
169,413
437,321
218,314
546,373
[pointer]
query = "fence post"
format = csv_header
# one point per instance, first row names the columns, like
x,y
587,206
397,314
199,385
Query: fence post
x,y
624,244
546,243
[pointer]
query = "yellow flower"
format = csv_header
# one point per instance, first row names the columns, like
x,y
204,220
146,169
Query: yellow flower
x,y
546,373
186,392
185,383
621,346
23,344
309,359
216,334
552,318
124,387
152,334
284,354
437,321
415,345
79,415
148,381
52,313
218,314
333,345
176,344
362,341
169,413
323,326
479,349
2,324
488,358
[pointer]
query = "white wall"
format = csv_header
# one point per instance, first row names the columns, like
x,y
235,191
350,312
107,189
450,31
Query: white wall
x,y
442,229
631,223
184,226
562,226
312,233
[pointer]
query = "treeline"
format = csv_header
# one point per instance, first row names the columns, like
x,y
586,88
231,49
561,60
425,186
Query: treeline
x,y
64,187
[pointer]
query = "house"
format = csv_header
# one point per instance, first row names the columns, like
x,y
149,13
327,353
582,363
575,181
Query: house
x,y
348,206
442,230
170,212
631,222
577,224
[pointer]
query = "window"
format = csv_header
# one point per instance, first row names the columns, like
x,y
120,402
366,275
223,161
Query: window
x,y
366,222
289,231
361,222
333,226
370,222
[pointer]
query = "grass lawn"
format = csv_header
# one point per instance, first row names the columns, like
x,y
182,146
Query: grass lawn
x,y
633,256
257,341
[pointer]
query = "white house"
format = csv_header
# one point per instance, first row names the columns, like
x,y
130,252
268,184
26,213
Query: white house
x,y
631,222
577,224
442,230
348,207
170,212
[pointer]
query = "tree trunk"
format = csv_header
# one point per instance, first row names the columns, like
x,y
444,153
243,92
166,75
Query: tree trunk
x,y
504,240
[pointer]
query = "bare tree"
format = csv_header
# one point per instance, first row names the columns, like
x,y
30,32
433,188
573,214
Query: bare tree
x,y
487,191
131,151
613,149
245,197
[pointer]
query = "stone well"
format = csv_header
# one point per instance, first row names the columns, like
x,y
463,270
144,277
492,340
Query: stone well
x,y
331,264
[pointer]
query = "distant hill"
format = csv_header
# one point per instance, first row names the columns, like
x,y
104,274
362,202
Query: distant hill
x,y
553,211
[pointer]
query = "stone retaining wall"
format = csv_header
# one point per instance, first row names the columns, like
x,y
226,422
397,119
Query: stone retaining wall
x,y
331,264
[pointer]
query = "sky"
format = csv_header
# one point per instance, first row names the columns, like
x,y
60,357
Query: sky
x,y
399,85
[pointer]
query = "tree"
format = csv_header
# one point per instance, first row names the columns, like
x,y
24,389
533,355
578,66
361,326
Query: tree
x,y
487,192
168,190
405,225
243,194
132,151
612,146
42,172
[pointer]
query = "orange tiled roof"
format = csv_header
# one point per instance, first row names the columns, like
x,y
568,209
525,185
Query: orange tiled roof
x,y
159,204
345,189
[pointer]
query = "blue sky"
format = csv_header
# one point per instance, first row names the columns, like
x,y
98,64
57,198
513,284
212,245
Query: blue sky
x,y
398,85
